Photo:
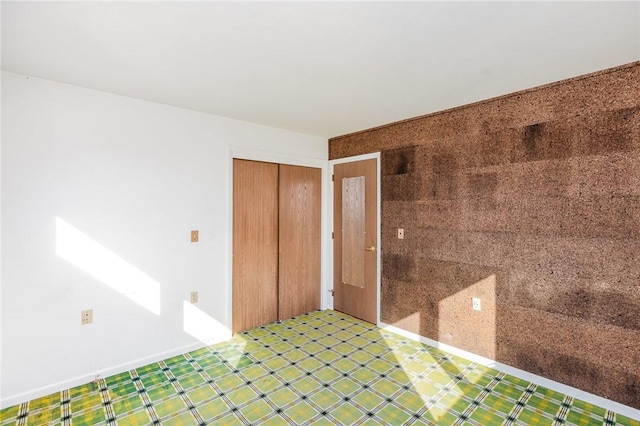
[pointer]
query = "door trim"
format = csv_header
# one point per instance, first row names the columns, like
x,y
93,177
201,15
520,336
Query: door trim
x,y
325,221
329,275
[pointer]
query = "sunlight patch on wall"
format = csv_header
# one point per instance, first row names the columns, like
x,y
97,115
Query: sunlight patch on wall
x,y
461,326
202,326
104,265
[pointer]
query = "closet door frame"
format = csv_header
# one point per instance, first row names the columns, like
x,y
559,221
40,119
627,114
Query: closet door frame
x,y
325,231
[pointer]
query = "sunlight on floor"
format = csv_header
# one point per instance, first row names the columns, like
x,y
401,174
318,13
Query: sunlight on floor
x,y
323,367
416,368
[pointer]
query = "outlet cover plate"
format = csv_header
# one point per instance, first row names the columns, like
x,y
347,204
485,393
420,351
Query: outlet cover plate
x,y
86,316
475,303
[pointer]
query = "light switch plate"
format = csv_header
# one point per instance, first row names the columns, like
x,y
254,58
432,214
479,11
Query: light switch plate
x,y
194,236
401,233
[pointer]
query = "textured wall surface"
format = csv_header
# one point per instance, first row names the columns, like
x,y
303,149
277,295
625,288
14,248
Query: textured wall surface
x,y
531,202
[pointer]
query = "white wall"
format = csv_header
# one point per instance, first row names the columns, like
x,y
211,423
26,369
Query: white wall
x,y
131,178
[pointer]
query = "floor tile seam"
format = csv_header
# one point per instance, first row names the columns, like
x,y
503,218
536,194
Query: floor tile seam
x,y
146,400
65,407
230,410
272,415
202,403
392,401
39,410
497,412
213,420
501,416
323,386
81,404
276,408
183,394
216,389
340,371
478,400
447,408
183,372
577,411
370,387
110,416
583,413
305,374
385,402
545,397
131,411
520,403
327,413
93,408
157,394
420,375
379,409
8,420
173,415
401,386
435,400
546,404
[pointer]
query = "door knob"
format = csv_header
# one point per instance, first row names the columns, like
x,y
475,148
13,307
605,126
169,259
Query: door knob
x,y
372,248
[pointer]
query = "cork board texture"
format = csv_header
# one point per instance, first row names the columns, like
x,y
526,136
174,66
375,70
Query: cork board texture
x,y
531,202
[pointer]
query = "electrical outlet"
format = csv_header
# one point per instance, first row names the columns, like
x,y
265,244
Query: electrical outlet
x,y
86,316
194,297
194,236
401,233
475,303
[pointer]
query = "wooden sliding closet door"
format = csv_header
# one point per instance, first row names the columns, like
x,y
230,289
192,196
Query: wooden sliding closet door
x,y
255,244
299,251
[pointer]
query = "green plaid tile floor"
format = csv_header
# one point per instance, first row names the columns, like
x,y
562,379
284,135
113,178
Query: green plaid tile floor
x,y
322,368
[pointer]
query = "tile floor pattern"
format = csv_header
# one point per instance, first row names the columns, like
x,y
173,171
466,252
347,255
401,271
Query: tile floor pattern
x,y
321,368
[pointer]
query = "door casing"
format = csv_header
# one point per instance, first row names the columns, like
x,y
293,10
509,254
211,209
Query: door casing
x,y
375,156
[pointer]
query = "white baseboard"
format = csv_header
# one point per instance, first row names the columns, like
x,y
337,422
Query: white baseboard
x,y
525,375
80,380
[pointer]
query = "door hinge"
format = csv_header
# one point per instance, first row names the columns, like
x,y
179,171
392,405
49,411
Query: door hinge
x,y
331,291
332,236
333,177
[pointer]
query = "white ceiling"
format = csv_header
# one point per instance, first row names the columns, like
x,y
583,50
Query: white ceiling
x,y
324,68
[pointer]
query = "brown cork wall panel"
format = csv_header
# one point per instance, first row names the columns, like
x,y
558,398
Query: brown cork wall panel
x,y
530,202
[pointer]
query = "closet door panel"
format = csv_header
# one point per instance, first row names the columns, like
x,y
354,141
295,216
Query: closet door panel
x,y
255,244
299,248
